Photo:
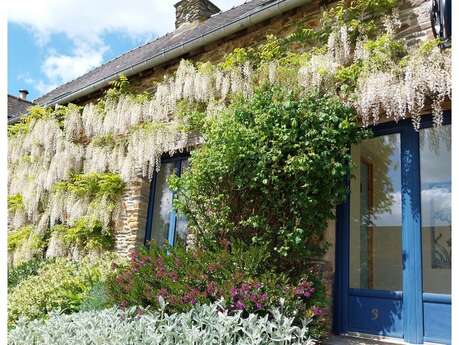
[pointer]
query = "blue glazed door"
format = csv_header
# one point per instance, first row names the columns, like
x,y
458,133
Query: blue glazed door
x,y
375,230
395,236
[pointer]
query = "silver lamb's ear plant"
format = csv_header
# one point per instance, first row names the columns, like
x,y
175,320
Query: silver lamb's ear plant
x,y
203,325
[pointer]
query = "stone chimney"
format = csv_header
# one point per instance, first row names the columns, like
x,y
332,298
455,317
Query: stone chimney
x,y
23,94
189,11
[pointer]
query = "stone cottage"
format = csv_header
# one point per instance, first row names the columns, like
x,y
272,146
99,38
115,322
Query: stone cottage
x,y
390,277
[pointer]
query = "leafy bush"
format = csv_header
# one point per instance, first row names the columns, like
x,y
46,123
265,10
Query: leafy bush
x,y
93,185
270,172
62,284
24,271
237,274
16,238
15,202
87,234
205,325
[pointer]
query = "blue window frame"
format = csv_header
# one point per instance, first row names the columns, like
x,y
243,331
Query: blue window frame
x,y
164,226
416,314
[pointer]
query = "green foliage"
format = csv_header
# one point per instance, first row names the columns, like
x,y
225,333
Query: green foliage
x,y
191,114
18,237
106,140
150,126
37,112
121,87
15,202
59,285
359,14
270,172
34,113
427,46
97,298
93,185
237,58
25,270
118,87
271,50
87,234
361,17
383,52
346,77
18,128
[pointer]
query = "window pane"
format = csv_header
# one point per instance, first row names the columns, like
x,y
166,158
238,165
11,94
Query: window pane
x,y
162,205
435,156
181,226
375,215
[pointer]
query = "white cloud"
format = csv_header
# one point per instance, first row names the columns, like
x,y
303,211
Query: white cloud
x,y
85,22
436,208
60,68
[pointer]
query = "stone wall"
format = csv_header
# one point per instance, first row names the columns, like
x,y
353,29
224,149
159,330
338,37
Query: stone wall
x,y
130,228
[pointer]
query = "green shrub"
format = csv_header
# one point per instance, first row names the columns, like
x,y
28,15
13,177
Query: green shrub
x,y
87,234
15,202
62,285
270,172
93,185
24,271
17,237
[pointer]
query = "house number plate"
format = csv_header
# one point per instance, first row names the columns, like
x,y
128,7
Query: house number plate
x,y
375,314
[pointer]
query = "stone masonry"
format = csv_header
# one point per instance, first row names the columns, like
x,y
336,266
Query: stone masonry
x,y
188,11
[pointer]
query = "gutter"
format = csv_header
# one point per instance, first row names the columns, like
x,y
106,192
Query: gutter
x,y
265,12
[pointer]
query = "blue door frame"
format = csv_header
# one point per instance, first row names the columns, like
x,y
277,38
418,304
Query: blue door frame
x,y
416,311
171,235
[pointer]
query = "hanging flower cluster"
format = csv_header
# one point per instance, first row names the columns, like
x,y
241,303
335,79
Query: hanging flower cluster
x,y
399,93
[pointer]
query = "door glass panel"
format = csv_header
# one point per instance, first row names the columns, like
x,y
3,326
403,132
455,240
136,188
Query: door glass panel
x,y
375,215
181,226
435,160
162,205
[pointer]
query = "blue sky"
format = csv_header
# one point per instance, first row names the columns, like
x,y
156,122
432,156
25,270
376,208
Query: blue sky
x,y
51,42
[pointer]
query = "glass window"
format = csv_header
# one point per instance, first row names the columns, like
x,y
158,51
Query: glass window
x,y
435,162
165,224
376,215
181,226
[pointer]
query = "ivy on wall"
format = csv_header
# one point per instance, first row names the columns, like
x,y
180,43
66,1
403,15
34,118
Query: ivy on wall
x,y
56,155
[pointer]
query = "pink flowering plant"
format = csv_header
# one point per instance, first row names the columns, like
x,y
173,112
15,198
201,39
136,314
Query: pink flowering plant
x,y
184,278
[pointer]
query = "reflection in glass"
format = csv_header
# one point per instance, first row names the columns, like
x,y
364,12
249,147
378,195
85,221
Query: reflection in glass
x,y
181,226
375,215
162,205
435,160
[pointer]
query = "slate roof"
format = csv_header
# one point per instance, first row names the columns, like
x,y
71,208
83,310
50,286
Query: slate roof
x,y
17,107
153,49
